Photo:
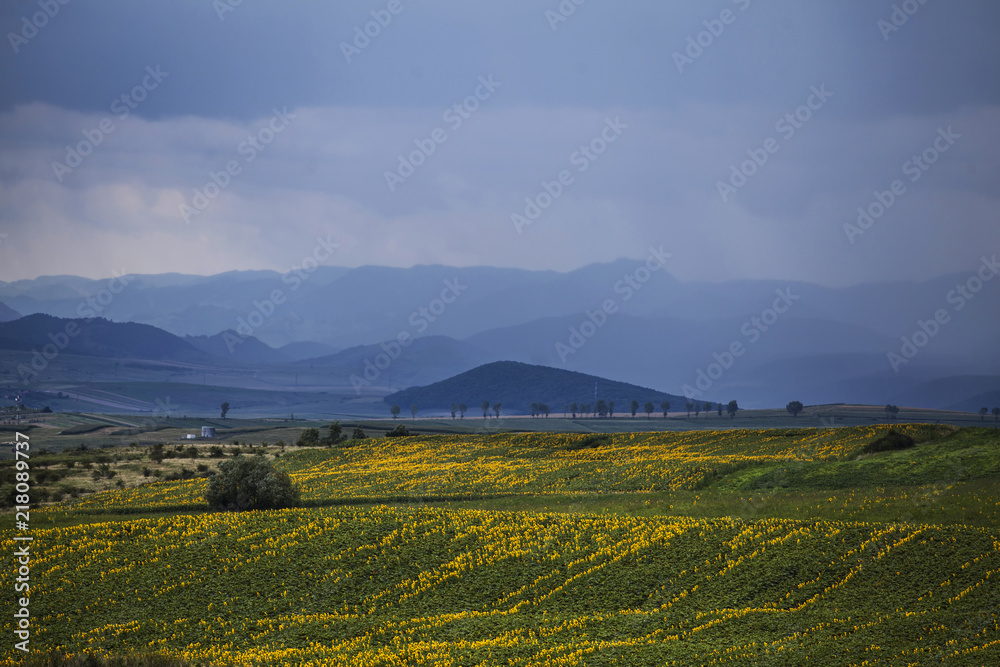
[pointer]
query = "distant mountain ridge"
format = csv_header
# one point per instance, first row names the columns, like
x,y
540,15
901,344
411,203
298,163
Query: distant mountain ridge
x,y
7,313
95,337
517,385
830,345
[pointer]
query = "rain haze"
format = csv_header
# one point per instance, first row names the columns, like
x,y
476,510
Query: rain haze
x,y
690,105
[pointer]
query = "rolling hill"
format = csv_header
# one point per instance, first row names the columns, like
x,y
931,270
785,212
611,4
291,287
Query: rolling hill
x,y
96,337
516,386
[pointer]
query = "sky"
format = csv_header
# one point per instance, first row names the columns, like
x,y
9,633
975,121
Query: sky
x,y
836,142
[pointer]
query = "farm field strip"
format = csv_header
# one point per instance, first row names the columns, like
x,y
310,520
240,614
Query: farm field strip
x,y
385,586
379,469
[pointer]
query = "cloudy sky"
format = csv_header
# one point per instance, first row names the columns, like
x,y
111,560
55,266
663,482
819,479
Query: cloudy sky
x,y
120,118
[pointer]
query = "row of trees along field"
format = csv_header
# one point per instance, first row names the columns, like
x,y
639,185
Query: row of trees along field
x,y
601,409
606,409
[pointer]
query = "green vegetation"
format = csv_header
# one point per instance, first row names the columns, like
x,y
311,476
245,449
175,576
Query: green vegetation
x,y
737,546
250,483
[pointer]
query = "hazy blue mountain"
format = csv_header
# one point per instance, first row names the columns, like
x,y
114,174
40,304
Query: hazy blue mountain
x,y
388,366
97,338
516,385
831,344
231,345
307,349
7,313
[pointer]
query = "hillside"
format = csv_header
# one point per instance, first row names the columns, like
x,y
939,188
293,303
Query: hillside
x,y
231,345
96,337
726,548
516,386
8,314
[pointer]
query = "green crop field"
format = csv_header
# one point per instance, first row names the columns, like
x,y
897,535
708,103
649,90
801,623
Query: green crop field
x,y
736,547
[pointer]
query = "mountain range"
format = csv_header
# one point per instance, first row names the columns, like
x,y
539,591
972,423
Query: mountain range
x,y
762,342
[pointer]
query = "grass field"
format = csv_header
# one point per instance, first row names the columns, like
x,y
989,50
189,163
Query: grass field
x,y
735,547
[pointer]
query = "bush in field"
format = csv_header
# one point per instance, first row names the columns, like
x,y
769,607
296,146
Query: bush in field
x,y
250,483
399,431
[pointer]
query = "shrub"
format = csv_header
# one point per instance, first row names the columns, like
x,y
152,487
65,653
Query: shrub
x,y
216,452
358,434
251,484
308,438
334,435
397,432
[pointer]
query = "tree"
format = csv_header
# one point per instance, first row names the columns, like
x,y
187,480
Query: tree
x,y
308,438
462,407
719,409
573,406
454,409
732,408
891,411
545,410
602,408
486,408
982,413
334,435
395,411
398,432
359,434
690,406
665,406
794,408
707,408
633,407
534,409
413,411
250,483
585,409
611,409
496,409
225,409
996,414
648,408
